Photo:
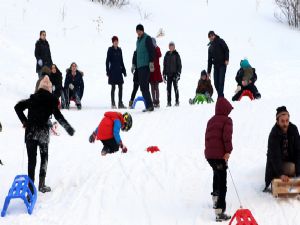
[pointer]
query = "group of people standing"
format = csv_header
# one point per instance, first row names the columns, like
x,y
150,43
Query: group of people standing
x,y
146,70
73,88
283,158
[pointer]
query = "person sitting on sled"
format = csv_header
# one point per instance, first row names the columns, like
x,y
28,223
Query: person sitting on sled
x,y
108,132
204,90
246,78
283,157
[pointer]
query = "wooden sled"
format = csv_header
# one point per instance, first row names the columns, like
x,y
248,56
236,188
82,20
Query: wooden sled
x,y
286,189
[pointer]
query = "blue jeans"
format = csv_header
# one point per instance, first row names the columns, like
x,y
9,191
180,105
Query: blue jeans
x,y
219,79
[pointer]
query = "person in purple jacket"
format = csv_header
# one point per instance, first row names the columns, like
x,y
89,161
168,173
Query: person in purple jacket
x,y
218,147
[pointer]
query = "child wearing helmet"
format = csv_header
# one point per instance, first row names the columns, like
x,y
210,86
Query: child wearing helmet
x,y
108,132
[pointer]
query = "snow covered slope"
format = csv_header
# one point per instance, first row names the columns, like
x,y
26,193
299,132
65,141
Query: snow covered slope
x,y
174,185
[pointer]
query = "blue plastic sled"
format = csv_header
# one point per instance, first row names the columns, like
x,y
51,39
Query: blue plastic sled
x,y
20,189
138,99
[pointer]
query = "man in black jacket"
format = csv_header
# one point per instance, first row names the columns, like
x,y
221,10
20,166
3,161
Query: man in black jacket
x,y
283,157
172,71
41,106
218,55
42,53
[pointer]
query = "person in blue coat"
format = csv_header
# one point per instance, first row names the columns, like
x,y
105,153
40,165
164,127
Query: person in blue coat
x,y
115,70
74,86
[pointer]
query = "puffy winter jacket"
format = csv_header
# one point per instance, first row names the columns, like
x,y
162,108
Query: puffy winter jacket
x,y
218,136
204,86
218,53
172,63
110,126
156,77
240,76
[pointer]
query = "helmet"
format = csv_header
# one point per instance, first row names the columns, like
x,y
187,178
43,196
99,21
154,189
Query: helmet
x,y
127,122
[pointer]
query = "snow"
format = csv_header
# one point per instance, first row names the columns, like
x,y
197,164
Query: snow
x,y
171,186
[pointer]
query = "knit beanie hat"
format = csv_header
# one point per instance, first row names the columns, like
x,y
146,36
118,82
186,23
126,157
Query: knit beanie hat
x,y
114,38
245,64
172,43
45,84
281,111
139,27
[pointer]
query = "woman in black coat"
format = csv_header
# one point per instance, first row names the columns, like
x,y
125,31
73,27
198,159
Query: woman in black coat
x,y
57,88
41,105
114,70
42,53
74,86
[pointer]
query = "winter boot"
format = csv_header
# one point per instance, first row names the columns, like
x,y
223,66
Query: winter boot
x,y
257,96
78,106
0,127
130,104
191,101
169,104
221,216
121,105
150,109
42,187
177,103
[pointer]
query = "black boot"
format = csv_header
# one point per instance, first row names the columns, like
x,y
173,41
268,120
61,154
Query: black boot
x,y
221,216
42,187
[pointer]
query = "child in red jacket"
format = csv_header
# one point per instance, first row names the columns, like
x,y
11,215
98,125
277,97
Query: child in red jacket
x,y
108,131
218,146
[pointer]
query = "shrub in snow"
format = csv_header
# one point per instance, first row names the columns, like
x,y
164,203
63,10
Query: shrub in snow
x,y
290,9
113,3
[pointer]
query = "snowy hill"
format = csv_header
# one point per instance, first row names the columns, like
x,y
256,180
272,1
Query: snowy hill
x,y
174,185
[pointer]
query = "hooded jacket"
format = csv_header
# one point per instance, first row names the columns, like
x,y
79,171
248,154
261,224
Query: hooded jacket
x,y
110,126
218,136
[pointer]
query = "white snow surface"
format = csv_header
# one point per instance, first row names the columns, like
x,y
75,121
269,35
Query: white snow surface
x,y
171,186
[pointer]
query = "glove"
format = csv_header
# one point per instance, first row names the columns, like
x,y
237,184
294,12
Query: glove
x,y
133,67
92,138
71,86
70,131
123,147
151,67
238,89
178,77
53,87
165,77
24,124
40,62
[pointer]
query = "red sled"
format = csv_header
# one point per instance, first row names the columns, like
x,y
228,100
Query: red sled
x,y
153,149
248,94
243,217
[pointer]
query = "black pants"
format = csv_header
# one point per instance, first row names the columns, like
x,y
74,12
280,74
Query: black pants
x,y
144,78
134,91
31,146
219,167
171,79
110,145
74,95
219,79
113,88
251,87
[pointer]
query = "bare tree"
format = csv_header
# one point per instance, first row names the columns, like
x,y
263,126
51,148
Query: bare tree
x,y
290,10
113,3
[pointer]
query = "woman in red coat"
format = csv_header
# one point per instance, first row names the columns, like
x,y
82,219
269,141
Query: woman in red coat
x,y
156,77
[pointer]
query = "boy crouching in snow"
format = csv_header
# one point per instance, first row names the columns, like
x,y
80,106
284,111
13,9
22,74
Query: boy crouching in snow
x,y
108,131
218,146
